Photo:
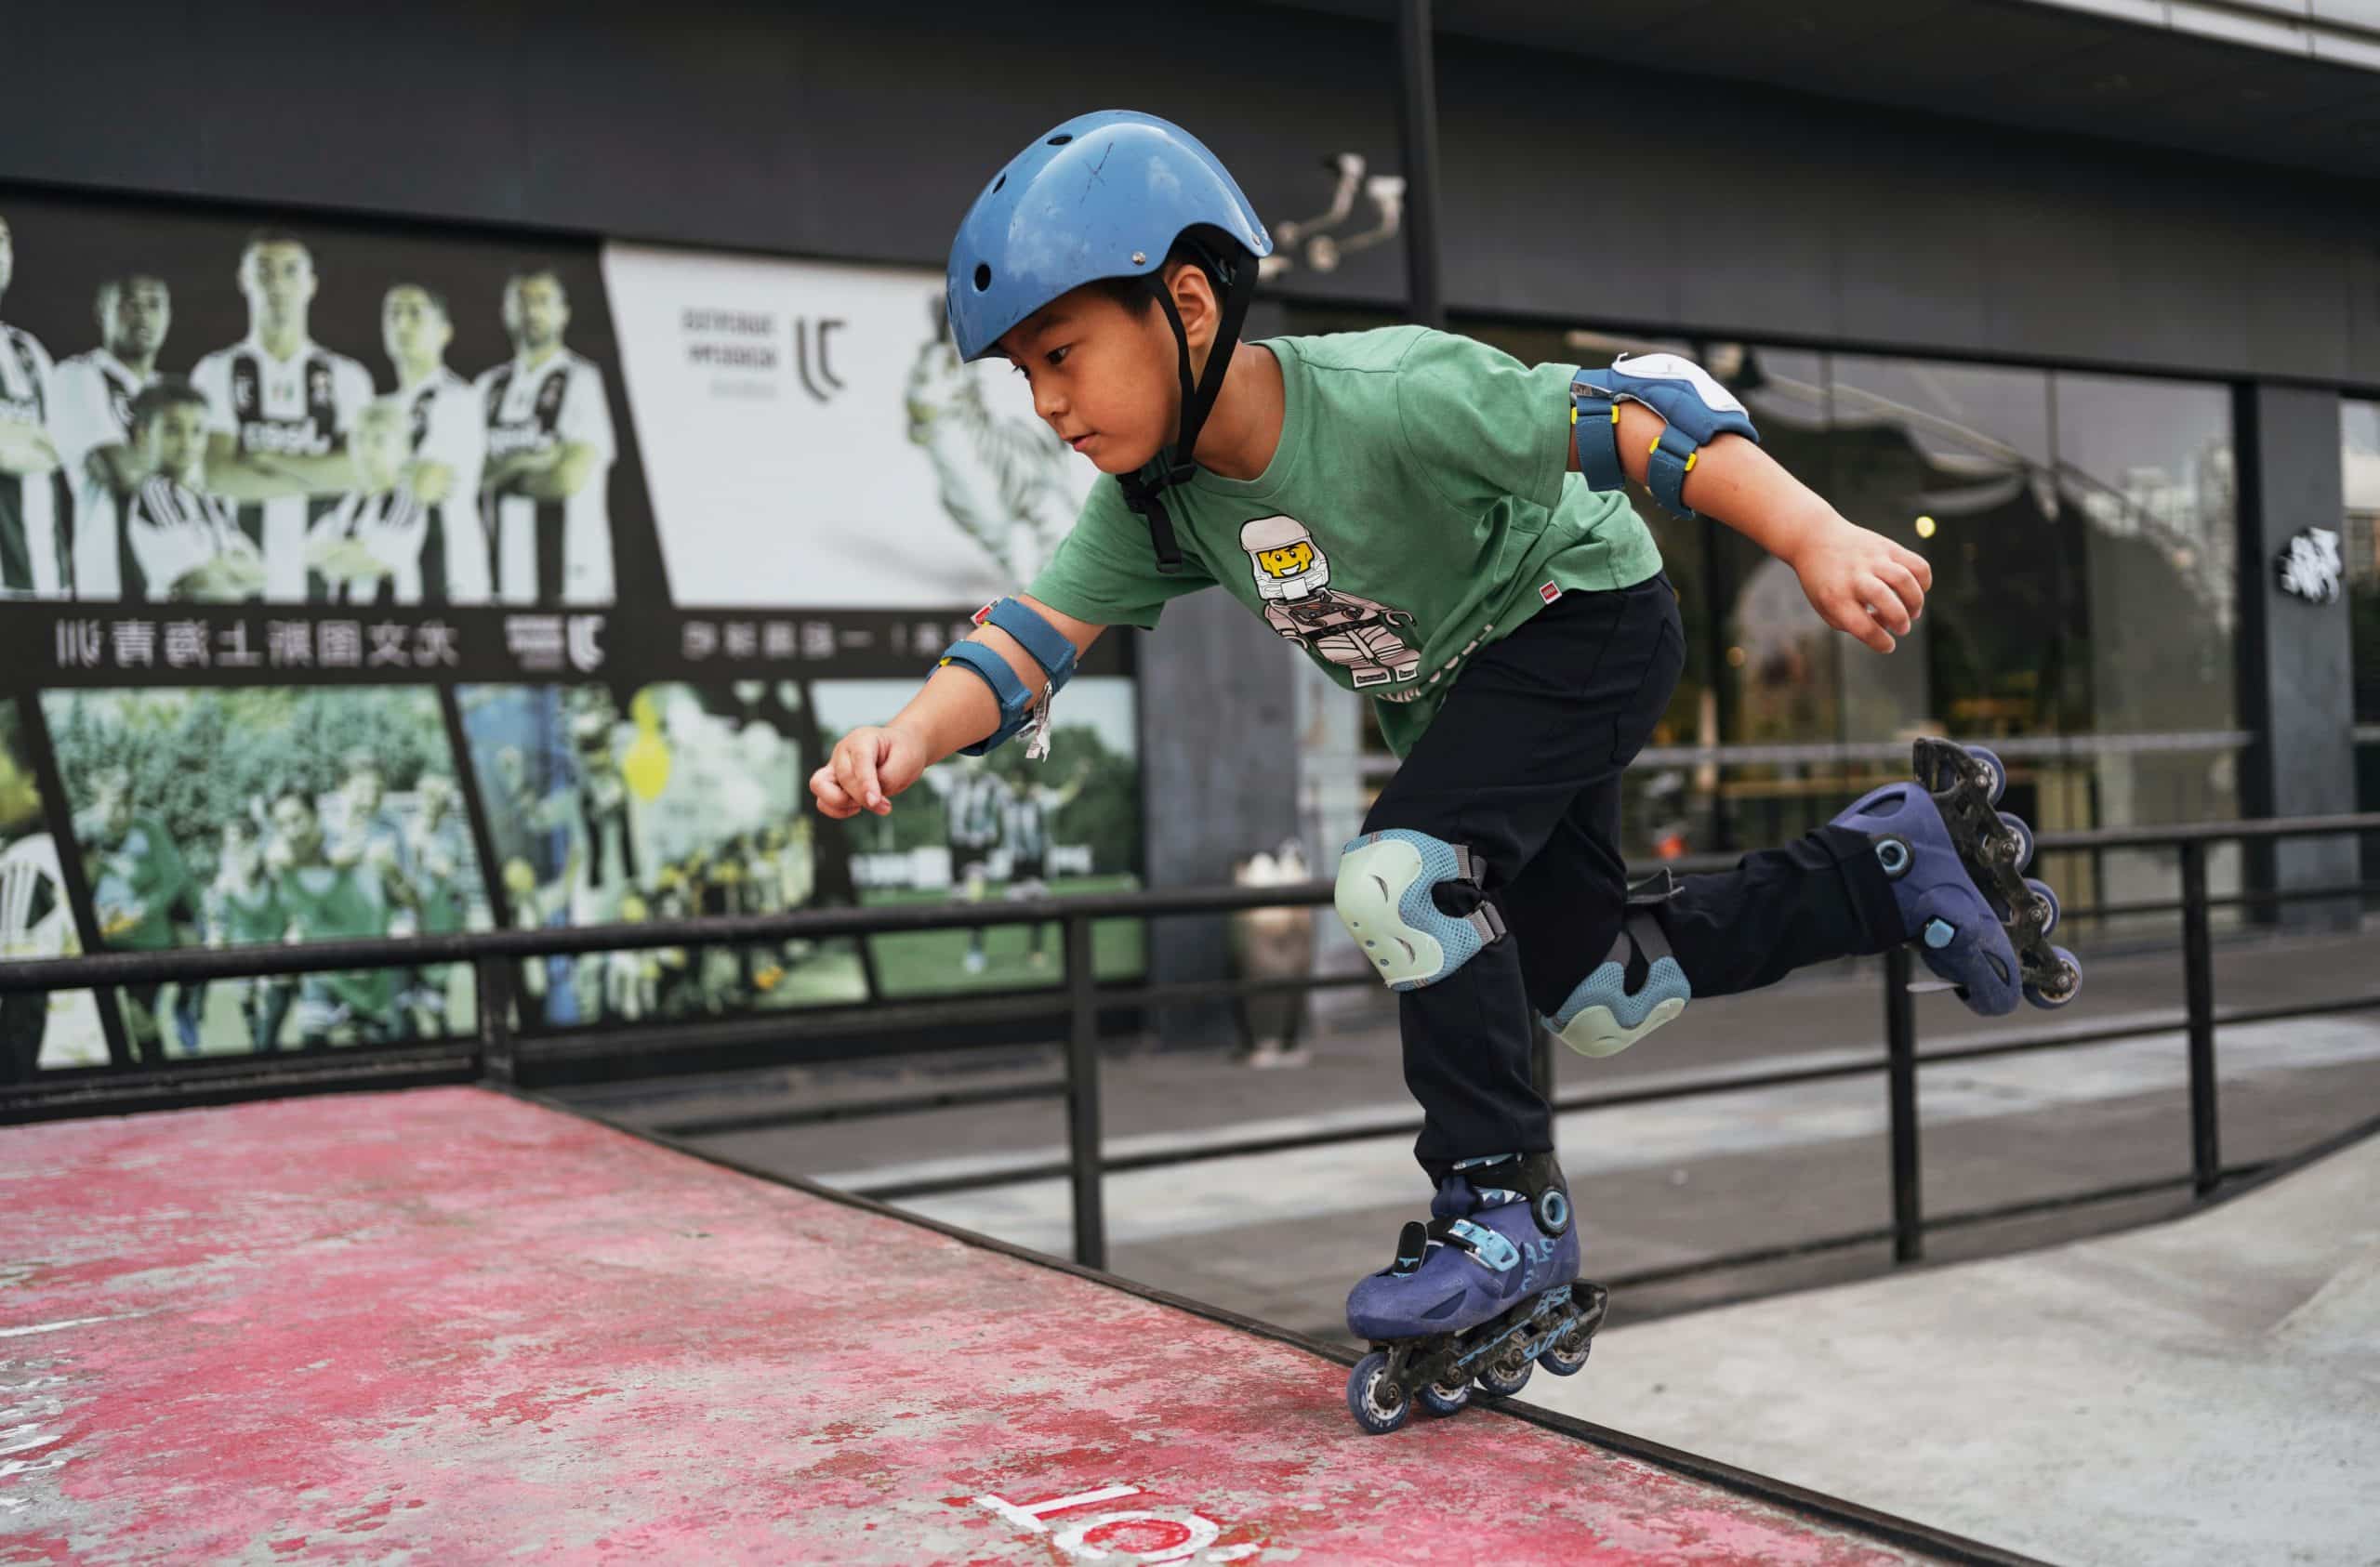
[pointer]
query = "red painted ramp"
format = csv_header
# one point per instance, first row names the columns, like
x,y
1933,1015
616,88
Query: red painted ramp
x,y
448,1326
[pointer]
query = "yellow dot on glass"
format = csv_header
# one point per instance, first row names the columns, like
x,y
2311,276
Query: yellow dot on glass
x,y
1735,658
1925,527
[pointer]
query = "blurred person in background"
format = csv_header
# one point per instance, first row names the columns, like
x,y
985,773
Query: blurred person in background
x,y
92,423
447,439
280,406
549,450
243,909
329,901
178,542
142,895
33,556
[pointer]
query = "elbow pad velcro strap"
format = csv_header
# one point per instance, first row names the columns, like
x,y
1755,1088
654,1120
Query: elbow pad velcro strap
x,y
1038,636
1016,703
1694,409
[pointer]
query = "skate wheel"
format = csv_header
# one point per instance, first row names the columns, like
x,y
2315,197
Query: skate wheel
x,y
2067,983
2046,901
1445,1398
1568,1355
1993,773
1373,1399
2024,855
1501,1378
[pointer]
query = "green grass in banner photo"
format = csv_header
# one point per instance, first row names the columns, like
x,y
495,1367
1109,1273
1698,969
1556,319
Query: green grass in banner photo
x,y
228,818
988,829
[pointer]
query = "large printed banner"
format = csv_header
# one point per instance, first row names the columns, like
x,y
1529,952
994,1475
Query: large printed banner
x,y
759,383
358,581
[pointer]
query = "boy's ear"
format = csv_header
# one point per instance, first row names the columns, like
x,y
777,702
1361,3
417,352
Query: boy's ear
x,y
1194,297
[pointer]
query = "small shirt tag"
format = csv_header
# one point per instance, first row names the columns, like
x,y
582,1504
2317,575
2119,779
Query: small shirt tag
x,y
1549,592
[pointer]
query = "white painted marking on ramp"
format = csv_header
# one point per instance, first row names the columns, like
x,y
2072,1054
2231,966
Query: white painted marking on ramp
x,y
70,1322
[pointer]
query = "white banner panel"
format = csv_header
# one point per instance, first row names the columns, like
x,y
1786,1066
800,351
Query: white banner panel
x,y
811,438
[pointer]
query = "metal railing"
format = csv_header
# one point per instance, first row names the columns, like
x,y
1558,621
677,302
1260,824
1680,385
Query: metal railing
x,y
1080,1001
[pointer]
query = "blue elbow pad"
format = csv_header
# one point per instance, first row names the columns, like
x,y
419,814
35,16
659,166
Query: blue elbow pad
x,y
1696,409
1046,644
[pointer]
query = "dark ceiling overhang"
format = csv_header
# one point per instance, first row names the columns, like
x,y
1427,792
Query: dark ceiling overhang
x,y
2044,67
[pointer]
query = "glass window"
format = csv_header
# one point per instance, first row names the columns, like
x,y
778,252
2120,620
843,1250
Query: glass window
x,y
1955,462
2146,467
1780,677
2359,539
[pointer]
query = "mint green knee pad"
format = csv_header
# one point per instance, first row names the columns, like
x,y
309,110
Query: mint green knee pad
x,y
1384,899
1602,1017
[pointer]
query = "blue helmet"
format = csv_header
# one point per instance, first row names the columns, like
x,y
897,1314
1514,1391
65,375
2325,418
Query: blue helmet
x,y
1101,195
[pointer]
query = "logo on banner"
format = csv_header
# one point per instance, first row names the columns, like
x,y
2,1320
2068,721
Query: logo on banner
x,y
811,335
2310,565
548,643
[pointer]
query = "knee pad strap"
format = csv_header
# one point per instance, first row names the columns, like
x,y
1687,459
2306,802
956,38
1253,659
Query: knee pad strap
x,y
1602,1017
1383,897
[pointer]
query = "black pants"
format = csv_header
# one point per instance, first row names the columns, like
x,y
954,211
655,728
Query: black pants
x,y
1522,766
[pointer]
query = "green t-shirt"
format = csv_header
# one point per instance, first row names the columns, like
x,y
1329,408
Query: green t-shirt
x,y
331,903
141,881
1419,508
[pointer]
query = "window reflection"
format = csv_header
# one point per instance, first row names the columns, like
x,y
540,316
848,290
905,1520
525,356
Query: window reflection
x,y
2360,543
1955,462
2147,466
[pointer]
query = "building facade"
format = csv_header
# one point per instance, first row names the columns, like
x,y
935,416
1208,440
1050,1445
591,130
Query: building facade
x,y
2081,299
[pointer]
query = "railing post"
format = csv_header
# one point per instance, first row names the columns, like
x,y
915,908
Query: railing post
x,y
2198,1000
1901,1049
1082,1097
492,978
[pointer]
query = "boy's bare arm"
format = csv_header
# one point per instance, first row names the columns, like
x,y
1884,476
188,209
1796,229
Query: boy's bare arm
x,y
955,708
1859,581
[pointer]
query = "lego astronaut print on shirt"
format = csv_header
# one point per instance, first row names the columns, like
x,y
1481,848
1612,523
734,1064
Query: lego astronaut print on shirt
x,y
1362,636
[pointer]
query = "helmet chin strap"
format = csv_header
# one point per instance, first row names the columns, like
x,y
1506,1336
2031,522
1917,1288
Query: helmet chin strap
x,y
1176,464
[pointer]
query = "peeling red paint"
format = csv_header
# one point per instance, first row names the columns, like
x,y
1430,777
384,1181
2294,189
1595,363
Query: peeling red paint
x,y
446,1325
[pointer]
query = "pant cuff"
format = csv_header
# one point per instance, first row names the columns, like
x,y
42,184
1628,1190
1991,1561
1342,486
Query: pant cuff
x,y
1869,890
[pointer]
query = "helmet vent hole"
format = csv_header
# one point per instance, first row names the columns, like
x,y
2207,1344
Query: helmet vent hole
x,y
983,276
1060,139
1001,181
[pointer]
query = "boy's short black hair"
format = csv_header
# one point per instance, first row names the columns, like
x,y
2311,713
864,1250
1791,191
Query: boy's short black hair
x,y
166,392
291,789
260,238
436,297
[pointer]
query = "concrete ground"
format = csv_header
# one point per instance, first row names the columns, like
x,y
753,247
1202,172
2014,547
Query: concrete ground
x,y
2206,1391
1281,1237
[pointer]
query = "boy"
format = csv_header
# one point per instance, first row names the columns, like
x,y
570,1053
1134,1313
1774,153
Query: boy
x,y
178,542
370,548
243,907
1402,503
